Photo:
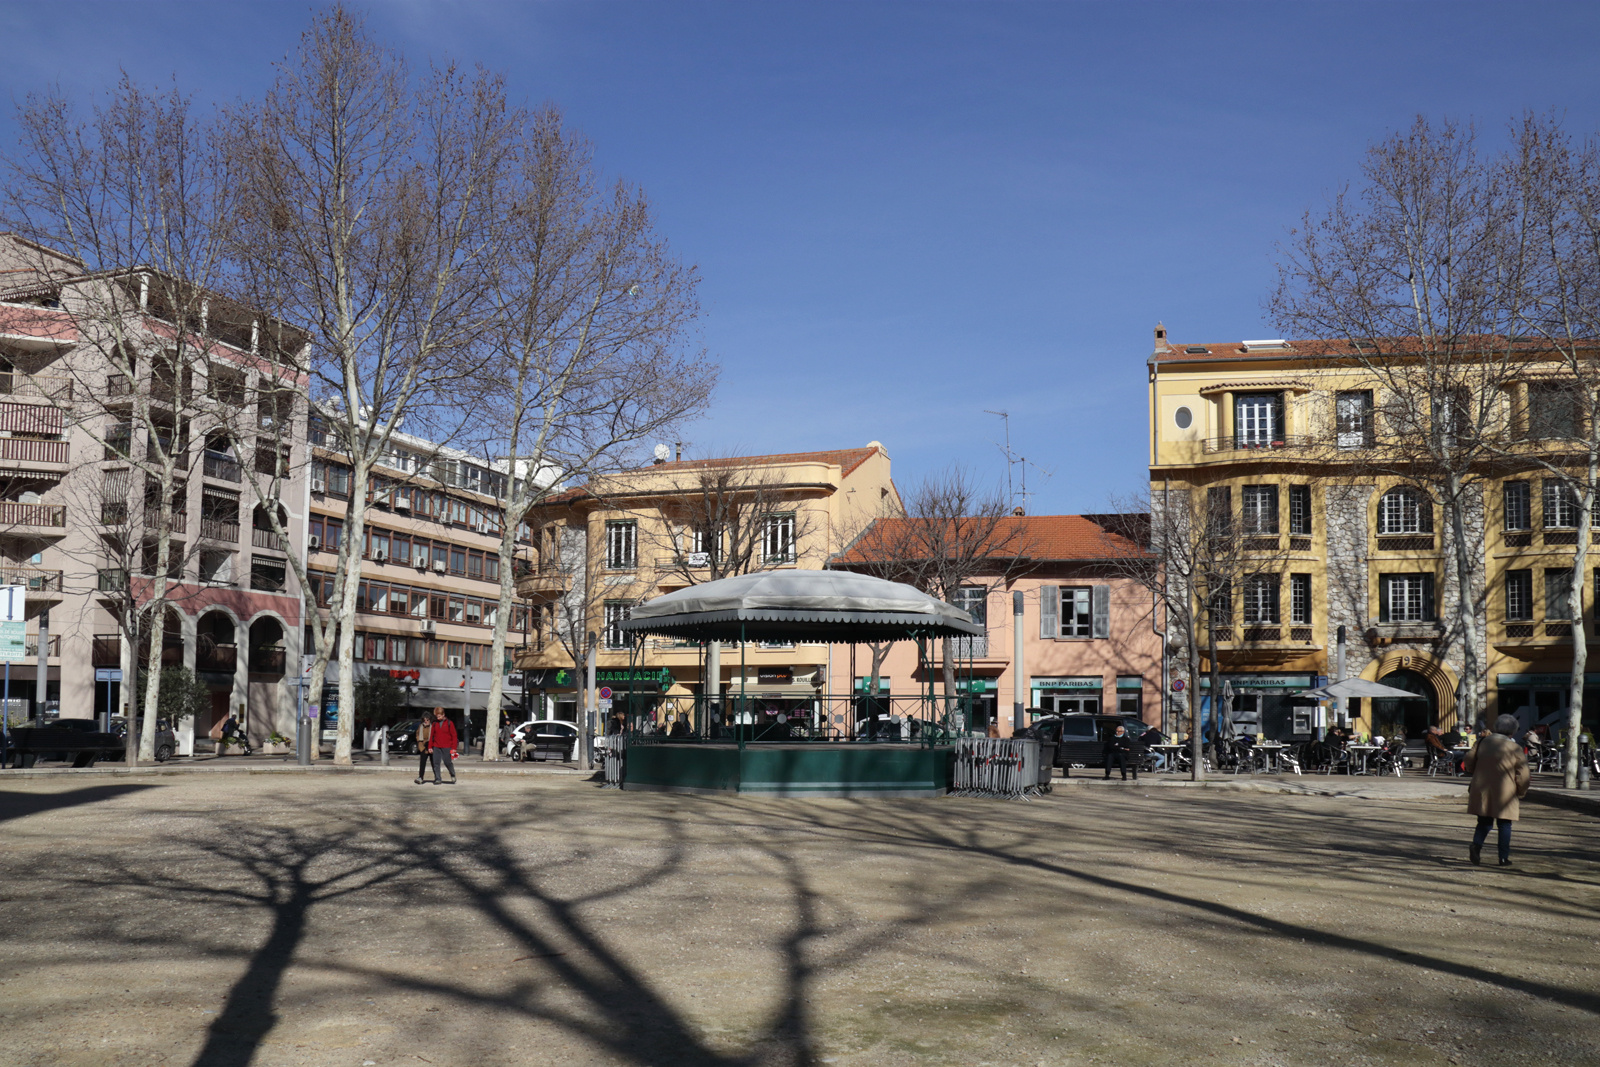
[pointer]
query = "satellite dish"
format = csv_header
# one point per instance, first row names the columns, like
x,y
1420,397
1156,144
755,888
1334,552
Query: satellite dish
x,y
663,453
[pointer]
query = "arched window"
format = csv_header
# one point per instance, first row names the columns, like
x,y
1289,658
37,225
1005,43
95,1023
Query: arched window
x,y
1404,510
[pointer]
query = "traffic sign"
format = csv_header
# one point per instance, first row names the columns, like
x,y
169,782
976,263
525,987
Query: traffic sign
x,y
605,692
107,674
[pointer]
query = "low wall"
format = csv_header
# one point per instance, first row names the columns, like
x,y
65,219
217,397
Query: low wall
x,y
812,770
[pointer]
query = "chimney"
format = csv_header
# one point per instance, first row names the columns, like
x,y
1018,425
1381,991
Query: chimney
x,y
677,451
1018,512
1161,338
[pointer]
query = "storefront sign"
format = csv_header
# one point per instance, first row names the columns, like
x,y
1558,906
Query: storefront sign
x,y
1067,683
1263,681
634,677
775,676
552,678
1540,681
1129,682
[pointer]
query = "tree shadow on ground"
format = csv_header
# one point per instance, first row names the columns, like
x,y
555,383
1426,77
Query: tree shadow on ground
x,y
925,830
21,805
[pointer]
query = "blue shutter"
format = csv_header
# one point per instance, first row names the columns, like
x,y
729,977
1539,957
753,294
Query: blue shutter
x,y
1100,602
1049,609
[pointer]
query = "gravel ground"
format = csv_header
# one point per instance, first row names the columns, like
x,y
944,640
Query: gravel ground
x,y
358,919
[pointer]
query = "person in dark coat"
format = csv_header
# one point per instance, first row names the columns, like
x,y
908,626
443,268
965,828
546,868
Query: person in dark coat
x,y
1499,770
1150,738
1119,747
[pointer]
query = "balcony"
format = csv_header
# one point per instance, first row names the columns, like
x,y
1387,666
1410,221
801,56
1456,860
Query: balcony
x,y
1243,443
34,453
543,585
44,587
268,660
106,651
31,649
33,520
969,647
268,540
44,386
219,530
179,521
219,658
221,467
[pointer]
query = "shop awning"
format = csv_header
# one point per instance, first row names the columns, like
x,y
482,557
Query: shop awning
x,y
1358,687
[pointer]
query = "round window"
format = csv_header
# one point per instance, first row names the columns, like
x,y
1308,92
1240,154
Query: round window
x,y
1183,417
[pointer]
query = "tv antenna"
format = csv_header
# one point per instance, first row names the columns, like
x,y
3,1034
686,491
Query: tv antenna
x,y
1018,490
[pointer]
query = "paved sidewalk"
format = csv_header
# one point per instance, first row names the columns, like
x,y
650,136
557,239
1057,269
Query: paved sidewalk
x,y
1365,787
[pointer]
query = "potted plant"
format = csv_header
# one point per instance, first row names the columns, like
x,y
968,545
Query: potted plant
x,y
275,744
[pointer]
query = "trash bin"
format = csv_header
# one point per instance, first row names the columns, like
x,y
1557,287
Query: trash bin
x,y
1047,761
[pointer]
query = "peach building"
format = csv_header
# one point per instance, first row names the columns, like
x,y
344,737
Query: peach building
x,y
1088,640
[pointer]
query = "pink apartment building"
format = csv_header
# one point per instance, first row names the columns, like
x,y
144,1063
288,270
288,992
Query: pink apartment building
x,y
1089,643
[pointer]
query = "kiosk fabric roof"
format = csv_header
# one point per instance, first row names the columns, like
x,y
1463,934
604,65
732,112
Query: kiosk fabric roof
x,y
827,606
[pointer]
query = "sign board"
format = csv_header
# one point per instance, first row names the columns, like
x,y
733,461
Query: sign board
x,y
605,704
605,694
13,641
13,603
107,674
774,675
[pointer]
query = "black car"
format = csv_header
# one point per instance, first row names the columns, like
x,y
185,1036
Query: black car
x,y
403,737
166,745
545,739
1080,739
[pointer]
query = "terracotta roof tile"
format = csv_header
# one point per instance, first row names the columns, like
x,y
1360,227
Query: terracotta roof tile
x,y
1330,347
848,459
1041,537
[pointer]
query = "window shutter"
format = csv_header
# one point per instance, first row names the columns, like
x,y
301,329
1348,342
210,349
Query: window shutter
x,y
1100,604
1049,601
1272,514
1427,598
1280,431
1383,599
1424,514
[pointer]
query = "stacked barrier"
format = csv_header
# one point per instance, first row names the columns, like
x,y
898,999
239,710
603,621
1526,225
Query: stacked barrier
x,y
612,751
997,767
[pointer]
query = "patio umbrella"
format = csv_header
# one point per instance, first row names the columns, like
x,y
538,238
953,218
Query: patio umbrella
x,y
1357,687
1227,708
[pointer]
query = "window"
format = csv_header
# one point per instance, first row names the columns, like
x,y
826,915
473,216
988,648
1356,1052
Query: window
x,y
419,550
1219,604
378,544
1258,420
458,561
1300,510
436,607
268,575
475,612
491,567
1452,416
1552,412
616,613
400,549
1519,596
1557,591
1560,505
377,598
1519,506
1404,510
1353,417
338,481
778,539
474,564
1259,509
1076,612
1300,599
1219,510
458,610
1405,598
621,546
399,601
1261,599
974,600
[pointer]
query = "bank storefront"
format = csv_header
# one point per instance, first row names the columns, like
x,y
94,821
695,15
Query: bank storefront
x,y
1536,698
1067,694
1263,703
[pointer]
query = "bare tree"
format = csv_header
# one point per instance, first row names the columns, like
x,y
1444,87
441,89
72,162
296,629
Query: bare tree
x,y
136,195
372,213
587,357
951,538
1424,276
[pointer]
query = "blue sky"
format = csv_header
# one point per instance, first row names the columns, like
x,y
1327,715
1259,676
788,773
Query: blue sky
x,y
908,213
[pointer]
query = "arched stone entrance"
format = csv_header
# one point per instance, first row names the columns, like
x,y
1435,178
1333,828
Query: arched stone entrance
x,y
1416,672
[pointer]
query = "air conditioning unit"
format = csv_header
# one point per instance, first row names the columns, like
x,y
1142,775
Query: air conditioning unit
x,y
319,485
380,557
402,504
314,542
438,566
430,627
453,661
422,563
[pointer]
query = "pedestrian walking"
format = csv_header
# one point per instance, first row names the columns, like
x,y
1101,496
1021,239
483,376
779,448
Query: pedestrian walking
x,y
423,729
1499,772
442,741
1119,747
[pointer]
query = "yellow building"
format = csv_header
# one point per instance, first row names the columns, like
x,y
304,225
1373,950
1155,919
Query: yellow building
x,y
1281,433
620,540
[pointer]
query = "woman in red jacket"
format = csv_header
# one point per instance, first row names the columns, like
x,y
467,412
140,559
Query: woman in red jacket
x,y
442,740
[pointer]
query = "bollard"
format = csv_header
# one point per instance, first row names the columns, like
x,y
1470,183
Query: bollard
x,y
383,745
1583,775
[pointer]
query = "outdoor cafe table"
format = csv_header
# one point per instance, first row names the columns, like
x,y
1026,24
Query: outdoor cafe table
x,y
1171,752
1365,751
1273,749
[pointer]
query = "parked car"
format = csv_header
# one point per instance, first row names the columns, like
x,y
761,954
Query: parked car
x,y
1080,739
166,740
403,737
77,741
544,739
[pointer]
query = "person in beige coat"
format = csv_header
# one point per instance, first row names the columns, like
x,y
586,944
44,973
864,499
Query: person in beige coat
x,y
1499,772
